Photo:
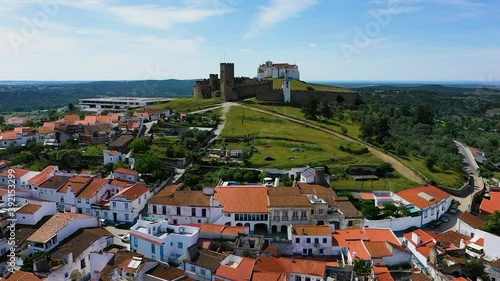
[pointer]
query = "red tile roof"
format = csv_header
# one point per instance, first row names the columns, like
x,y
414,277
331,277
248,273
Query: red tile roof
x,y
55,224
414,195
92,188
43,176
17,172
268,276
76,183
304,267
126,171
341,236
133,192
29,209
242,272
426,241
311,230
358,249
243,199
489,206
378,249
224,229
22,276
472,220
8,135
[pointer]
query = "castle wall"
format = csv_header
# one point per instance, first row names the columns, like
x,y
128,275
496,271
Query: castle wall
x,y
273,95
252,88
227,82
302,97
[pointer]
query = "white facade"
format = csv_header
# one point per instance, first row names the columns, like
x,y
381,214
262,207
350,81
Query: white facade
x,y
277,70
113,156
307,245
430,213
118,104
46,209
125,209
158,240
464,228
20,182
412,245
125,176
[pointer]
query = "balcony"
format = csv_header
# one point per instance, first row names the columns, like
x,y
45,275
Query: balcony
x,y
295,218
284,218
276,218
303,218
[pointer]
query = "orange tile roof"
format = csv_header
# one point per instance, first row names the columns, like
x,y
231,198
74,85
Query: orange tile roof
x,y
104,119
181,198
243,272
472,220
19,275
235,230
268,276
8,135
412,195
141,114
224,229
92,188
133,192
55,224
43,176
242,199
341,236
489,206
311,230
459,279
17,172
112,152
382,273
71,118
120,183
29,209
76,183
378,249
426,241
304,267
358,249
126,171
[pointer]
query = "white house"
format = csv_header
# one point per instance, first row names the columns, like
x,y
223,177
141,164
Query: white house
x,y
126,175
17,137
34,210
158,240
113,156
17,177
59,227
311,240
116,264
89,195
126,205
419,243
277,70
468,223
73,253
183,207
66,195
429,200
233,266
201,263
244,206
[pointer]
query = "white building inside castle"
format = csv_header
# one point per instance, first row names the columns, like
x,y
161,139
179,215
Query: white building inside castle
x,y
278,70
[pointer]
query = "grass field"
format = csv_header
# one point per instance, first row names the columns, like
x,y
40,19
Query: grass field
x,y
394,184
189,104
333,124
301,85
448,178
276,137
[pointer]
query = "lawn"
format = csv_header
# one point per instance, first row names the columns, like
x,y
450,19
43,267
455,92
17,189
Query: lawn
x,y
301,85
94,150
276,137
394,184
189,104
333,124
448,178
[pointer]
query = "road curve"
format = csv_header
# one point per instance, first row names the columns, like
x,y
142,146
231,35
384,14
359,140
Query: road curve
x,y
400,167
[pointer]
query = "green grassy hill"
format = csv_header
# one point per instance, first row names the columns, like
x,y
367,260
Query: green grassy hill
x,y
301,85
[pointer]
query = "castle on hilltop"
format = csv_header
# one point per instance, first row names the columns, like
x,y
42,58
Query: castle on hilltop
x,y
278,70
232,88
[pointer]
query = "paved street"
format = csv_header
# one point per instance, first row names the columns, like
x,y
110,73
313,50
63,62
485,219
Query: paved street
x,y
469,161
117,232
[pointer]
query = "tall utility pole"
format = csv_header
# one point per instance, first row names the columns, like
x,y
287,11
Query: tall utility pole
x,y
243,117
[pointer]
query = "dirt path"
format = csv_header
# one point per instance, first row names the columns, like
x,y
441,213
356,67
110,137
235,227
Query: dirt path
x,y
400,167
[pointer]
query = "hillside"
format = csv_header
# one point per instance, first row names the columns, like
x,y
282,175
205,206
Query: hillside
x,y
20,98
304,86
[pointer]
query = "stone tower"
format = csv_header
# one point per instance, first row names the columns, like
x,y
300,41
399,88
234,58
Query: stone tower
x,y
287,88
227,82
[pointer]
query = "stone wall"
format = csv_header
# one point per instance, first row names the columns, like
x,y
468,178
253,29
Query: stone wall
x,y
302,97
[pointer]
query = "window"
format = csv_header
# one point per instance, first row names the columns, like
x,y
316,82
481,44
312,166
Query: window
x,y
304,214
178,210
304,251
82,263
96,213
236,217
62,199
126,206
126,217
308,240
79,200
316,240
320,211
297,240
432,211
87,210
425,214
202,272
135,241
139,200
165,210
66,275
193,212
179,245
321,251
87,201
114,204
105,214
153,248
193,269
203,212
324,240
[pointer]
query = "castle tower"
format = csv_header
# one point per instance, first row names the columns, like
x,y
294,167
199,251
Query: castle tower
x,y
227,82
287,88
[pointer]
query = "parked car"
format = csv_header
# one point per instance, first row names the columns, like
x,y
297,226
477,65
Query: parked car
x,y
433,224
444,219
269,158
125,238
122,225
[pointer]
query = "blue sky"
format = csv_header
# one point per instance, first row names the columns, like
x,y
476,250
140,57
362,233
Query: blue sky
x,y
430,40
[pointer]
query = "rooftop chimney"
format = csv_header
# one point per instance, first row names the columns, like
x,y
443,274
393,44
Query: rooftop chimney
x,y
415,238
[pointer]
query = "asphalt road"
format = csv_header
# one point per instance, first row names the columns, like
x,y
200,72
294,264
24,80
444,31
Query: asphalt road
x,y
115,231
469,161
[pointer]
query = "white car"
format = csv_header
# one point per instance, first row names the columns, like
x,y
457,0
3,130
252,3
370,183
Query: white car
x,y
125,238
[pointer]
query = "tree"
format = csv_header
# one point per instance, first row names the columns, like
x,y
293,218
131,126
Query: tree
x,y
474,268
326,110
139,145
423,114
58,137
311,109
120,164
71,107
361,267
340,99
493,223
430,161
150,165
2,120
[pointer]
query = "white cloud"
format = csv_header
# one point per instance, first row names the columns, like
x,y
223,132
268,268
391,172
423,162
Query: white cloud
x,y
312,45
278,11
